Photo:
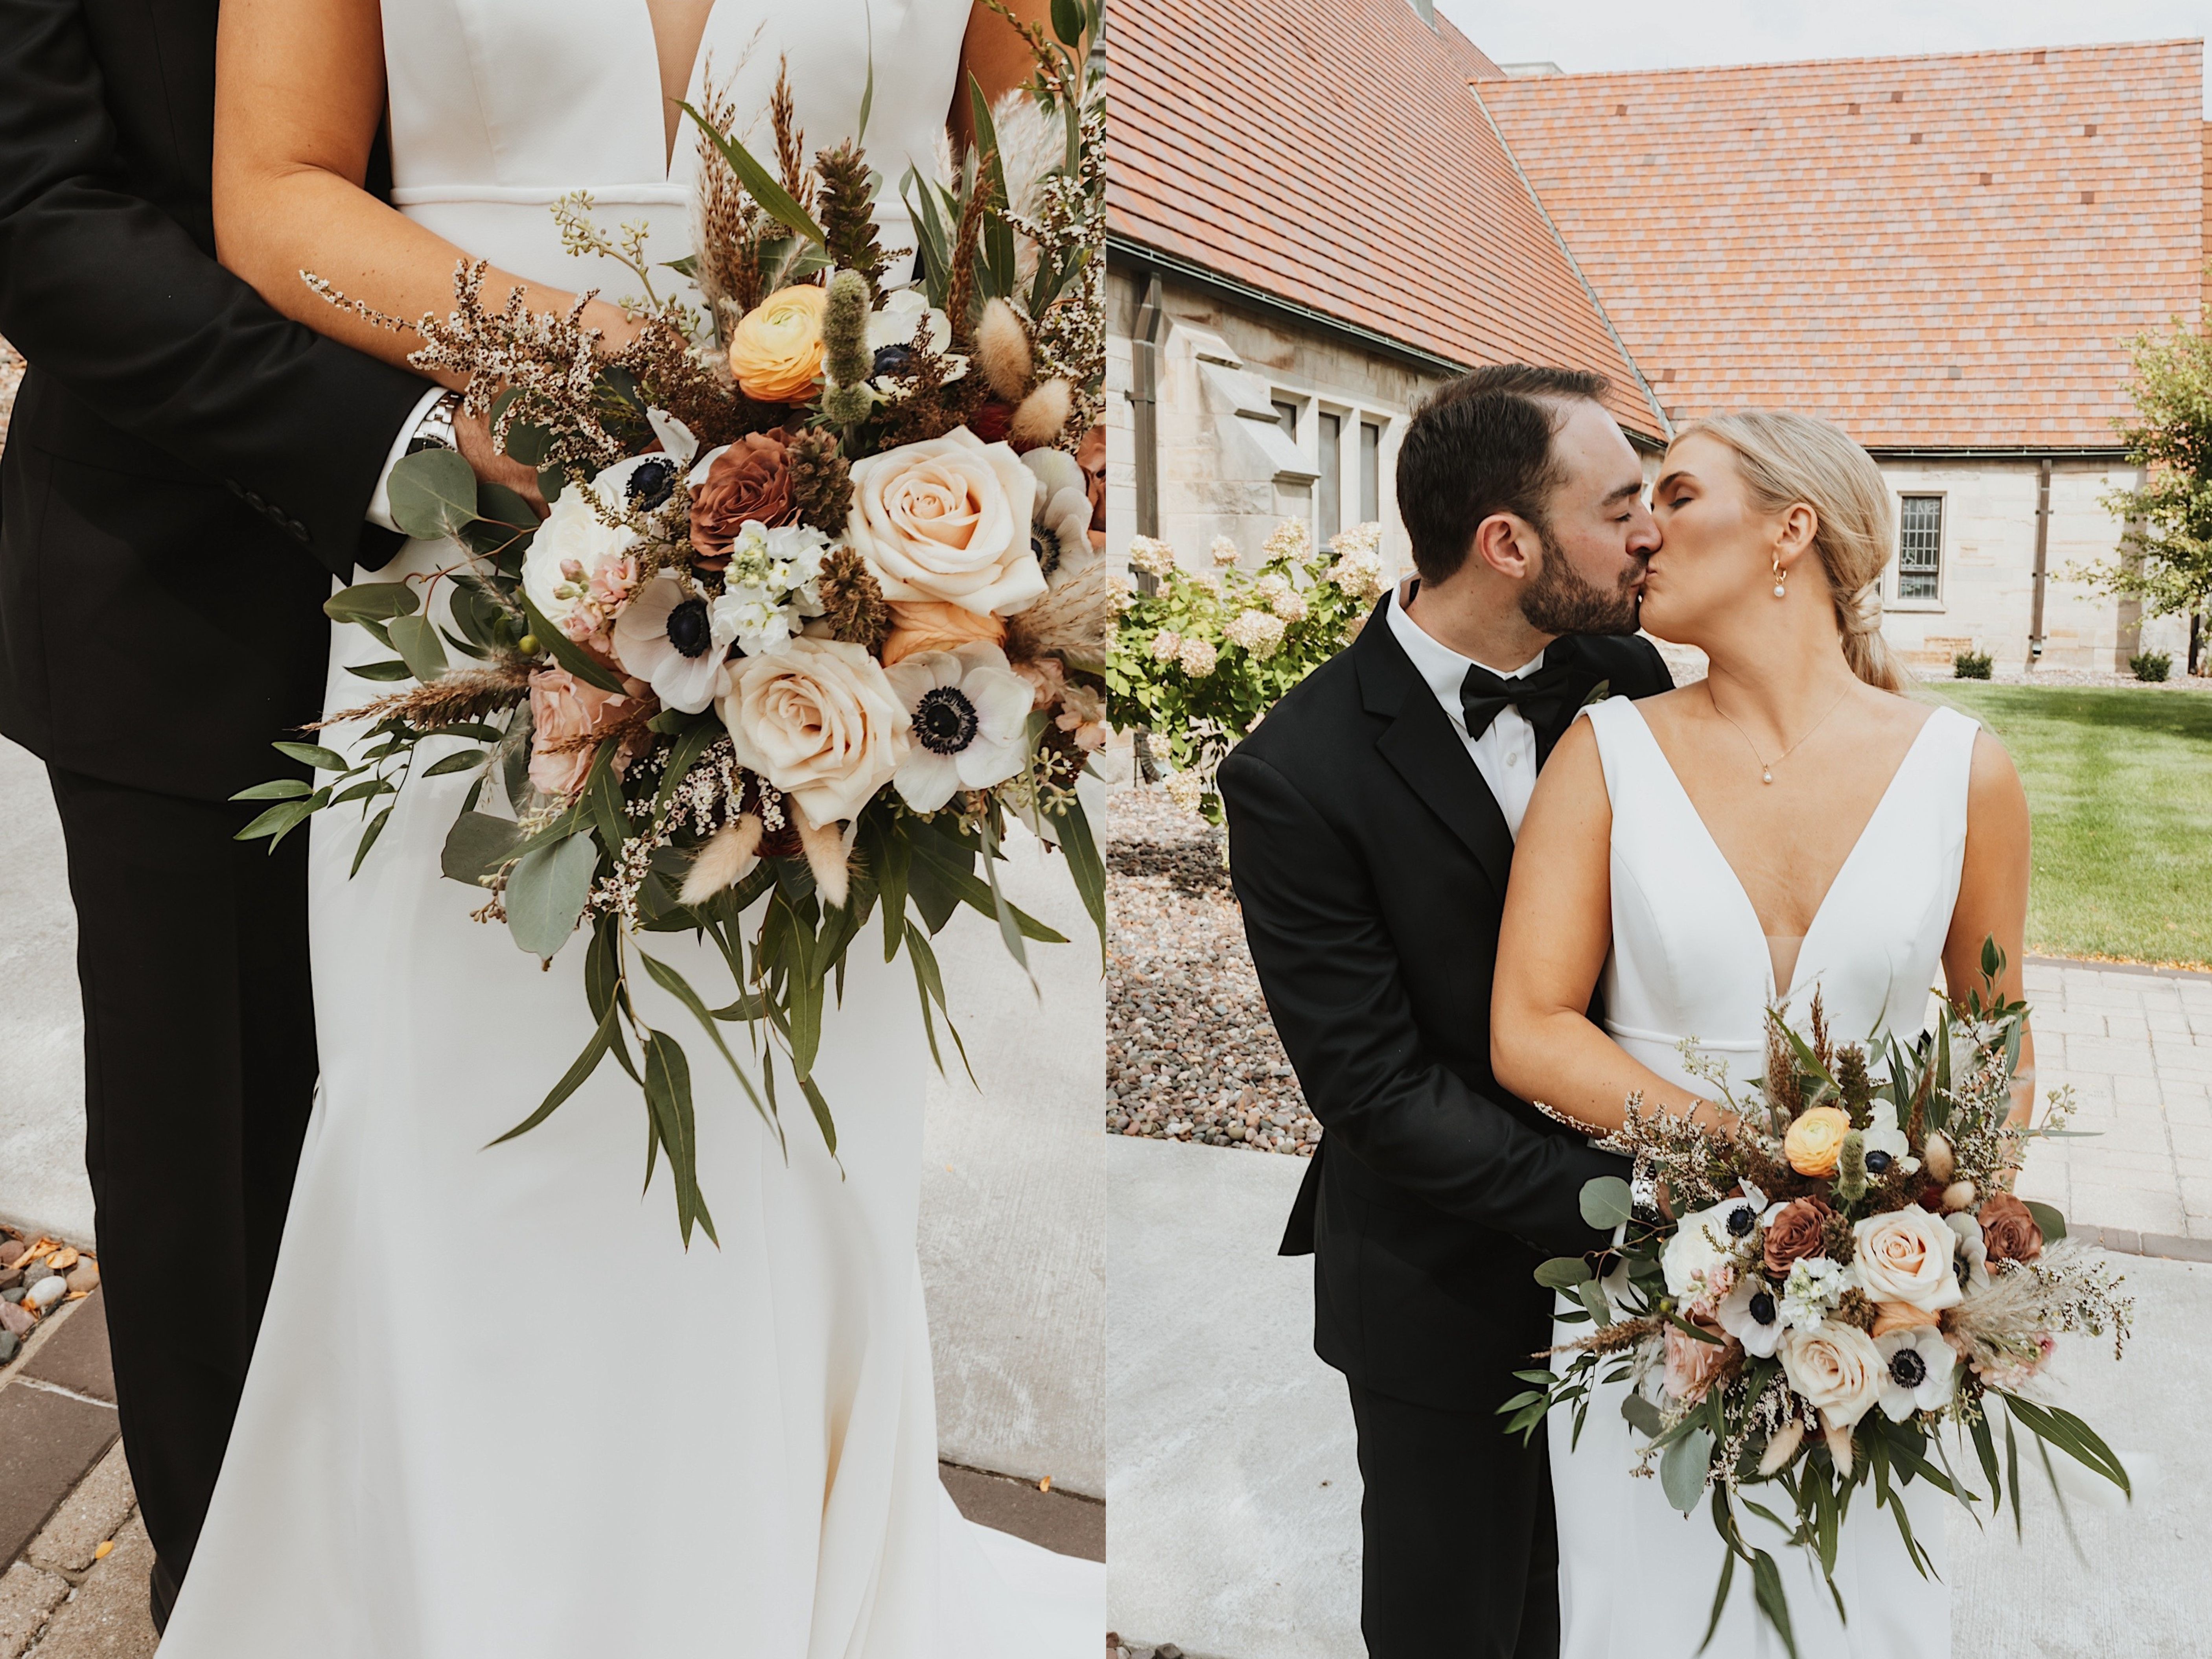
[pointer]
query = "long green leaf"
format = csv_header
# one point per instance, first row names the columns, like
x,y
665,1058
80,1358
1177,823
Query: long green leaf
x,y
371,602
367,840
546,892
977,894
1010,931
666,1072
1085,867
1766,1588
760,183
679,987
314,755
2062,1429
573,1078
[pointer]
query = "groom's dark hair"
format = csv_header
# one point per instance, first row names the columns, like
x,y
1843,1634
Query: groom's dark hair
x,y
1481,444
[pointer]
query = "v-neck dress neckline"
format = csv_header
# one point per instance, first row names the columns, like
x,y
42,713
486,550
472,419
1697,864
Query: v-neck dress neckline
x,y
1844,871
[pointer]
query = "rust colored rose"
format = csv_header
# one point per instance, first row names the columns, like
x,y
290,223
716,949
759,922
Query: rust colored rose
x,y
749,480
2008,1228
932,625
1795,1233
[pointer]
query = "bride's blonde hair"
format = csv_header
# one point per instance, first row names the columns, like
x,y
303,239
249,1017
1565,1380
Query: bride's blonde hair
x,y
1787,458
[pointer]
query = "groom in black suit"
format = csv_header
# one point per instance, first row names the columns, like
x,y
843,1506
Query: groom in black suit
x,y
185,473
1372,820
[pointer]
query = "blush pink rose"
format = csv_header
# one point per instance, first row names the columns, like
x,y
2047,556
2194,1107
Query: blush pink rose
x,y
1692,1365
565,716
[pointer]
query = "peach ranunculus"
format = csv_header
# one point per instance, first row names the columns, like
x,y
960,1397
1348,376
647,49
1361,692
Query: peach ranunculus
x,y
948,520
1907,1255
935,627
776,351
1812,1142
819,721
1837,1368
1692,1365
566,715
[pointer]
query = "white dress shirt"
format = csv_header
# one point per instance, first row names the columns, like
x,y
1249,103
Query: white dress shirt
x,y
1505,755
380,504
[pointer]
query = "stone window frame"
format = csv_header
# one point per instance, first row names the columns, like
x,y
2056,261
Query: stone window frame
x,y
1895,599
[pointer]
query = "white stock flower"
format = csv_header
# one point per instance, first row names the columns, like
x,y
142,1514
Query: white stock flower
x,y
1815,1284
1907,1255
674,641
970,714
1919,1371
772,585
949,520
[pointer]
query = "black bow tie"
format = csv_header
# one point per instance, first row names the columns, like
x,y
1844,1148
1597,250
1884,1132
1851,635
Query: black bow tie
x,y
1543,698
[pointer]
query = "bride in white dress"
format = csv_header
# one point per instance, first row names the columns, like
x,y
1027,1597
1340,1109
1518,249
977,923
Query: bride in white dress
x,y
1790,825
497,1408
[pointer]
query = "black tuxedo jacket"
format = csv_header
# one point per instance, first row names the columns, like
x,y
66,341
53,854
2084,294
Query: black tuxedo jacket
x,y
1370,860
186,469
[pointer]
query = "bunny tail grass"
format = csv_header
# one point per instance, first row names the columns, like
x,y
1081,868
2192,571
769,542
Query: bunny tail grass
x,y
727,859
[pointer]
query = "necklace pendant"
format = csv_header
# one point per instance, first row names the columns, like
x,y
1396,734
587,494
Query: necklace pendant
x,y
1765,775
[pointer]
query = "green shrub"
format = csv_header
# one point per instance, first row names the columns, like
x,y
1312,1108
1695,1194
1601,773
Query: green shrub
x,y
2151,665
1971,665
1201,661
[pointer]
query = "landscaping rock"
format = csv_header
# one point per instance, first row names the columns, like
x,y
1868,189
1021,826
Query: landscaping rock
x,y
14,1320
11,1252
83,1278
47,1292
108,1618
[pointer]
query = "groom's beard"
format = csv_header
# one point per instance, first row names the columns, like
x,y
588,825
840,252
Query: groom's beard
x,y
1558,600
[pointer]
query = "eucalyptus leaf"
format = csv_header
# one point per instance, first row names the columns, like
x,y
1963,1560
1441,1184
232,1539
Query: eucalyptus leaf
x,y
1642,1416
279,789
382,670
529,444
371,602
498,504
1607,1202
433,494
368,840
314,755
546,893
2049,1220
467,760
1564,1273
1068,22
1682,1469
416,642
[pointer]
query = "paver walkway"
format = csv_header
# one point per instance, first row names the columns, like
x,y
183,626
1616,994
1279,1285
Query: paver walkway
x,y
2136,1046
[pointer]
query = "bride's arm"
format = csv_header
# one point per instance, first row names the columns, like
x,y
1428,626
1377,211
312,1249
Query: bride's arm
x,y
299,96
1993,895
1552,947
997,56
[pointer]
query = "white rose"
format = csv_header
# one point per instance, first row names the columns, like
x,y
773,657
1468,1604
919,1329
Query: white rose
x,y
1837,1368
1906,1255
948,521
819,721
572,546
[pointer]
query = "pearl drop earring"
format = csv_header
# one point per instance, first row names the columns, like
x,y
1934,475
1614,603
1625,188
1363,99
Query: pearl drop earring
x,y
1779,578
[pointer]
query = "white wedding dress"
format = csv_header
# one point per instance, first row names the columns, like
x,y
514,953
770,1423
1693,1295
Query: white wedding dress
x,y
496,1410
1689,959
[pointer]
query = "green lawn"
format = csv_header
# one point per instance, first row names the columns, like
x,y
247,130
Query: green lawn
x,y
2120,786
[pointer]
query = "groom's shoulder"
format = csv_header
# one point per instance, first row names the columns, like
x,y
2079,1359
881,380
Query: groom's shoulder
x,y
1630,661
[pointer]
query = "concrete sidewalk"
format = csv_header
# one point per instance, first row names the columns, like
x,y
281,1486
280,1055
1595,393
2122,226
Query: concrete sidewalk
x,y
1234,1492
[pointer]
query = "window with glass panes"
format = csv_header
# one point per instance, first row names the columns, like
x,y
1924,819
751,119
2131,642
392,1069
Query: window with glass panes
x,y
1371,472
1332,476
1920,547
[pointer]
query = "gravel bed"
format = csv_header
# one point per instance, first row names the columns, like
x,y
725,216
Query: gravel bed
x,y
2179,681
1191,1054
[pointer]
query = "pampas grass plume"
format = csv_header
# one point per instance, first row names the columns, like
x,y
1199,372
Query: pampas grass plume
x,y
1002,351
1044,414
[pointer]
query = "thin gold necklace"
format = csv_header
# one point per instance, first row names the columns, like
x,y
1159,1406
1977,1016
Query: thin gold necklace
x,y
1766,767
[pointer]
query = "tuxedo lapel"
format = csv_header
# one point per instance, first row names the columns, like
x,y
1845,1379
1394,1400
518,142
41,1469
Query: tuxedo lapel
x,y
1424,750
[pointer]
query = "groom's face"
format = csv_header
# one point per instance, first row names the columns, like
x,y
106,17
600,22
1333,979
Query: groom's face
x,y
1597,531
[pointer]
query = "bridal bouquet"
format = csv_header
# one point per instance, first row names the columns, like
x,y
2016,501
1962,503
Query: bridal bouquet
x,y
817,607
1850,1291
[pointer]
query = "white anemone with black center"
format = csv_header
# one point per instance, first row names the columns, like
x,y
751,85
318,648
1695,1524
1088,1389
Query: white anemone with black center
x,y
675,642
971,718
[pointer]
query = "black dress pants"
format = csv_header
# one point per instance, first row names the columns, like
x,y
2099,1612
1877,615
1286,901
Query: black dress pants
x,y
199,1043
1461,1550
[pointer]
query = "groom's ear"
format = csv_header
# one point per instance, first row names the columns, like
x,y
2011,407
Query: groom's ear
x,y
1508,543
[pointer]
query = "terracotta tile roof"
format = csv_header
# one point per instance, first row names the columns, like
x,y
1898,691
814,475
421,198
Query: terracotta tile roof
x,y
1942,250
1329,153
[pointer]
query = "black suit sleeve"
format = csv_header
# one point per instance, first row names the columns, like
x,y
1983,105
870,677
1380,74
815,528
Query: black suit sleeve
x,y
1334,984
115,300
